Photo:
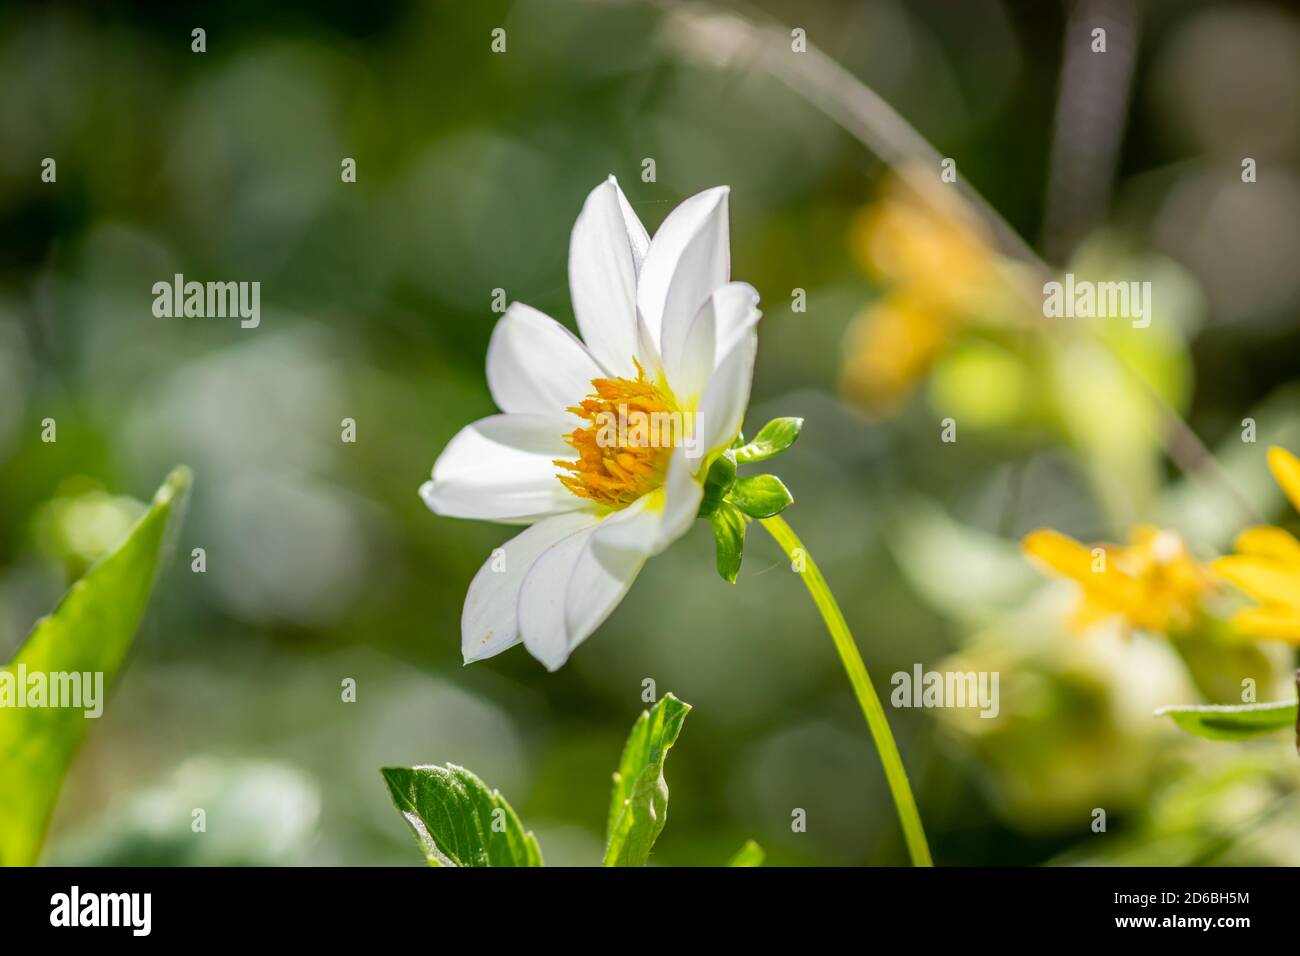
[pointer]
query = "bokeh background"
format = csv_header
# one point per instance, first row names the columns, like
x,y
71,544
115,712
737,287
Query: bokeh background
x,y
323,564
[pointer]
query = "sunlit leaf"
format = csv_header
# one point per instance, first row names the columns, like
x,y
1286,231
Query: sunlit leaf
x,y
751,854
88,633
638,808
1232,722
458,820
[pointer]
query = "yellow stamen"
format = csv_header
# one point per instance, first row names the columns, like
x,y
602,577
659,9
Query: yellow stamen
x,y
619,457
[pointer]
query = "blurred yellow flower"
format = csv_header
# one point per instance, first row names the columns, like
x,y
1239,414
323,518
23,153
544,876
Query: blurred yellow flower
x,y
1151,584
1267,565
923,238
890,347
938,269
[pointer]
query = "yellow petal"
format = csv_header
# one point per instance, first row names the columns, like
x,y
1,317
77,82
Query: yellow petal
x,y
1263,579
1286,469
1264,541
916,233
1111,588
1088,613
1268,622
1060,553
889,348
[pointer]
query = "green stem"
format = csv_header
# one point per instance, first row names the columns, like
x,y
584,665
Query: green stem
x,y
868,700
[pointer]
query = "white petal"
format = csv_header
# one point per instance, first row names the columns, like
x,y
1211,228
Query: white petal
x,y
689,257
735,306
490,621
568,593
647,351
722,408
501,469
682,502
605,252
718,325
688,370
536,365
637,237
600,580
654,521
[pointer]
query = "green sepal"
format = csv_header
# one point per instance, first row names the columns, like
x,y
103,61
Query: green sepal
x,y
718,482
728,523
772,439
760,496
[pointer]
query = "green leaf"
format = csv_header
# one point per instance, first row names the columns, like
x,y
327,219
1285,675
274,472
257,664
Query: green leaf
x,y
458,820
638,808
728,523
721,476
772,439
88,633
1232,722
761,496
751,854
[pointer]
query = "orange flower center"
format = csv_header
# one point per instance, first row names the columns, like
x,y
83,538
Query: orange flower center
x,y
624,453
